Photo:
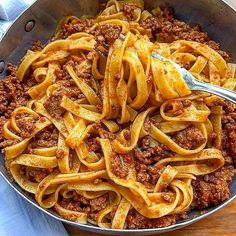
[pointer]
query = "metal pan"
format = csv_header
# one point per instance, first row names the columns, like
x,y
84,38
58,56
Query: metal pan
x,y
39,22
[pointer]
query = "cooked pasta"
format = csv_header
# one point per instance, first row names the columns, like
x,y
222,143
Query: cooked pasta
x,y
129,100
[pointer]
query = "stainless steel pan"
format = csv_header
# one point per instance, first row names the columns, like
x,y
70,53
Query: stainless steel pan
x,y
39,22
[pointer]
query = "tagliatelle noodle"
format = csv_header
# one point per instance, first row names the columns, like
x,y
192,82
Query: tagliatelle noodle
x,y
128,95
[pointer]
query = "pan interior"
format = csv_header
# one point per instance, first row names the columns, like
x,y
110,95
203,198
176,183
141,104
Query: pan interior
x,y
214,16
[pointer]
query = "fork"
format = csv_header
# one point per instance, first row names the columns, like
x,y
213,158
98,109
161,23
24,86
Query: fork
x,y
196,85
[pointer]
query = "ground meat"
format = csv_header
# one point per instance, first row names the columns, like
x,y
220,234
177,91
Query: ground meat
x,y
228,107
67,88
212,189
38,174
26,128
189,138
209,190
119,166
229,139
128,10
177,108
135,220
72,205
146,174
86,76
37,46
81,25
106,34
150,155
52,105
147,125
169,29
107,135
92,140
12,95
64,78
2,122
46,138
127,135
98,203
8,142
93,144
26,125
229,134
82,204
145,157
168,13
103,132
60,154
212,138
62,74
29,80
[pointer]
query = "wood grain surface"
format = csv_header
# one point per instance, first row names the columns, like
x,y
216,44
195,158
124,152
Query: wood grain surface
x,y
222,223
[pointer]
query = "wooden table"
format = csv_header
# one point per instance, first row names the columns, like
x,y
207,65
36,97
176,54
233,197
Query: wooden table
x,y
221,223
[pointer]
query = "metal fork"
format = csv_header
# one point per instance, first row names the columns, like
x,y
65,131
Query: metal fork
x,y
197,85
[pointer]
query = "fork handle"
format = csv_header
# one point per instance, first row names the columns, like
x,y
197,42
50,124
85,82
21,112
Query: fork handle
x,y
216,90
197,85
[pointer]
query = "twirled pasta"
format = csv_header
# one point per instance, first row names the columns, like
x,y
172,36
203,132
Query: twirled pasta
x,y
134,88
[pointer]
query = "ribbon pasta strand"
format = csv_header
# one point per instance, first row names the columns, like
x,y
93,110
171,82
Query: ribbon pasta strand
x,y
101,110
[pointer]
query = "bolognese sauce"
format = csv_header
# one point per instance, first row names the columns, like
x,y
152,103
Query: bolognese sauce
x,y
208,190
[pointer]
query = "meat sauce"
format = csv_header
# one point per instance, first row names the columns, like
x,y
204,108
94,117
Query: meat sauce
x,y
209,190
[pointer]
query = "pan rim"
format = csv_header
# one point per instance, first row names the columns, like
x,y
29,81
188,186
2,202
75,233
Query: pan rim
x,y
97,229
